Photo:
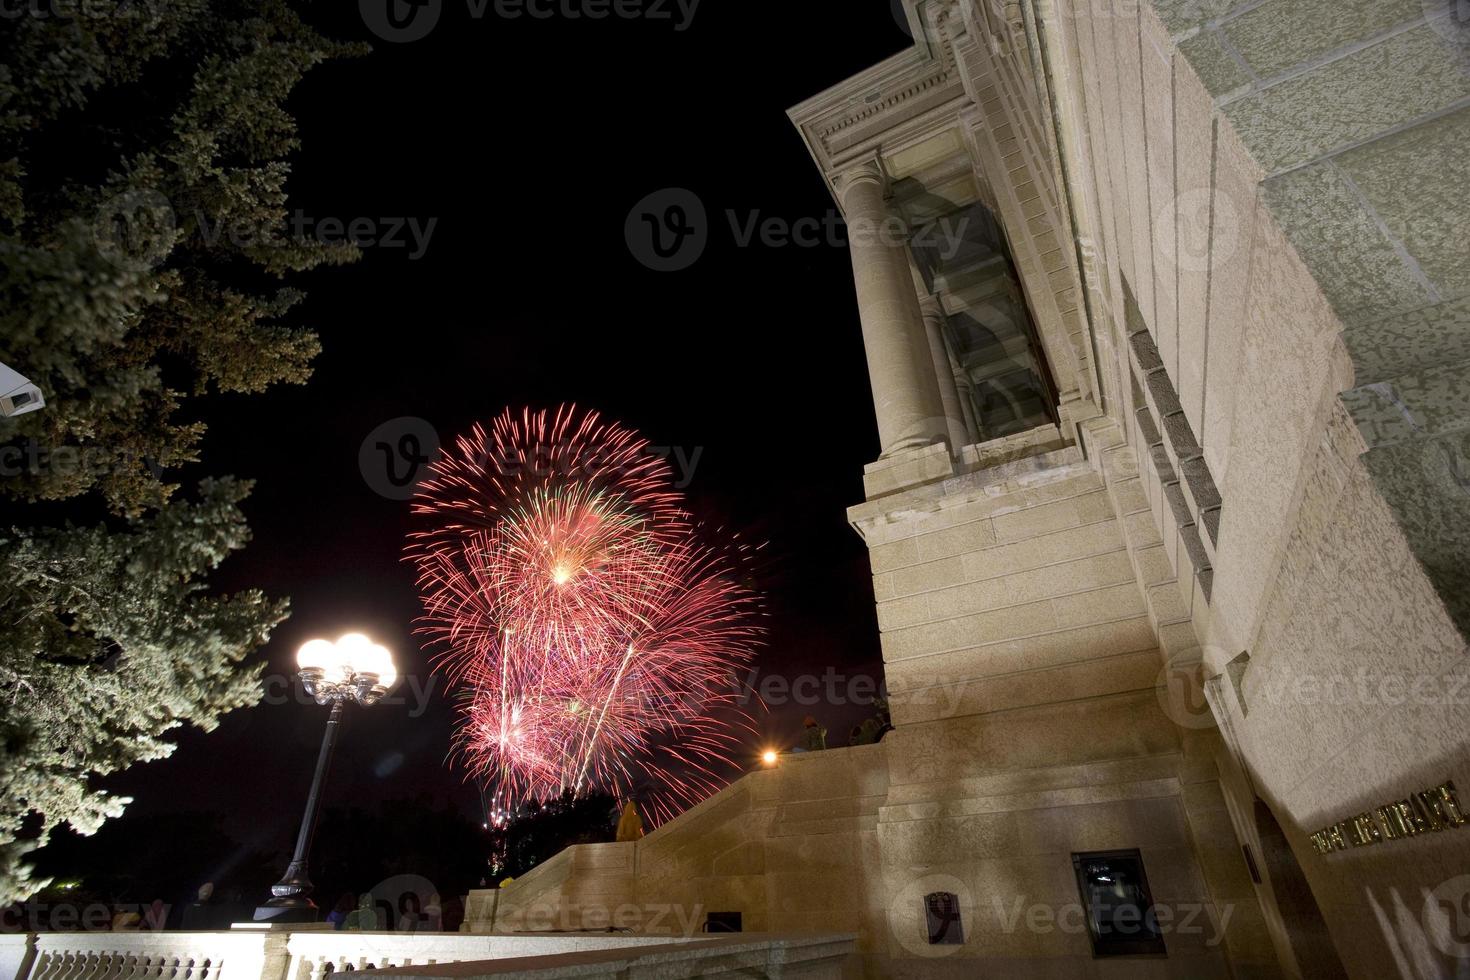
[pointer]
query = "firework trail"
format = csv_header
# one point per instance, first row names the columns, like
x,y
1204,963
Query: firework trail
x,y
594,637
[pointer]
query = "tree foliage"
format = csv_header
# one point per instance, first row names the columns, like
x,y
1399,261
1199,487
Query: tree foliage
x,y
110,641
143,227
539,831
144,238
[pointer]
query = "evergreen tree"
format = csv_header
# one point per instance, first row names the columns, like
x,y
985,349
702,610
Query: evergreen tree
x,y
109,642
144,235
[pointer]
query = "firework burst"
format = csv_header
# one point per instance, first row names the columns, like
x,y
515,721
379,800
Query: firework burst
x,y
593,635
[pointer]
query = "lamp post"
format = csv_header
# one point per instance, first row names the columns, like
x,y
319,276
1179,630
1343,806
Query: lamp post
x,y
352,669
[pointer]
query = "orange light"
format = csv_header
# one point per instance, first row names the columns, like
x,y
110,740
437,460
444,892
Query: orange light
x,y
770,757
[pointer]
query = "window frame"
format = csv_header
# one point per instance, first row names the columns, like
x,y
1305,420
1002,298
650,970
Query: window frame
x,y
1144,945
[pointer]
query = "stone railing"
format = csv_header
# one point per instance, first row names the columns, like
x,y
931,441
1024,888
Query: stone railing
x,y
245,955
309,953
755,955
315,955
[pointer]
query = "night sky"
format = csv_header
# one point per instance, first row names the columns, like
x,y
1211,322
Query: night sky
x,y
529,141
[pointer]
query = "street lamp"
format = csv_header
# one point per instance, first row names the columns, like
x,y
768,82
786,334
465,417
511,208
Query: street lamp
x,y
352,669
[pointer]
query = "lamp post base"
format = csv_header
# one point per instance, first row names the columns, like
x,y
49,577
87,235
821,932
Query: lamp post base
x,y
291,901
303,912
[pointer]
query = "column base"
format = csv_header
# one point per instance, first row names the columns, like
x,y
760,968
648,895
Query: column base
x,y
906,468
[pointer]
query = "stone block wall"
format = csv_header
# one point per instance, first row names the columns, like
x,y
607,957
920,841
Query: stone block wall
x,y
1272,196
1003,589
792,849
1308,308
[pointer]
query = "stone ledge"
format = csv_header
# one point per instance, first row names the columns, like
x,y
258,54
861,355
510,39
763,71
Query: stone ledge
x,y
998,481
911,468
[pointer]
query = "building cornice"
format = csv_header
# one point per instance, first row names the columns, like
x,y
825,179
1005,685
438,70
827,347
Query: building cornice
x,y
864,114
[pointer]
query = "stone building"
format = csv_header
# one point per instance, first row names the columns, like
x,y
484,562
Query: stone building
x,y
1165,310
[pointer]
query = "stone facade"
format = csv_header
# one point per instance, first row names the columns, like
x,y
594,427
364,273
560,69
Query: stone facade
x,y
1214,602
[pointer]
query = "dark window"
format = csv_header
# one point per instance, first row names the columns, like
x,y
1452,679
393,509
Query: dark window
x,y
23,398
1250,863
1120,912
942,910
724,922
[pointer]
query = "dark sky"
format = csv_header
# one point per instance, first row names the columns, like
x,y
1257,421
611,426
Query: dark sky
x,y
530,141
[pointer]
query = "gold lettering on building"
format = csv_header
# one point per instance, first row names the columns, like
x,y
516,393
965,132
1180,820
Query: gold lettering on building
x,y
1393,822
1365,830
1426,811
1410,819
1450,805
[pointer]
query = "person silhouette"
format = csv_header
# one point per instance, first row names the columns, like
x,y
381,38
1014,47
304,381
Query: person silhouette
x,y
365,918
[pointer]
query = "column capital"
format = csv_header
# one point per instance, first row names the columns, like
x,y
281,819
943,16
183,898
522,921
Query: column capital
x,y
868,170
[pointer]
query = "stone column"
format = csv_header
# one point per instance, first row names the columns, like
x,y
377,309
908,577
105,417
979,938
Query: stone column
x,y
966,389
900,365
944,372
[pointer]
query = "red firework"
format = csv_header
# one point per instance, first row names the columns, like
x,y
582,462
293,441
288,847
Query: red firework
x,y
595,640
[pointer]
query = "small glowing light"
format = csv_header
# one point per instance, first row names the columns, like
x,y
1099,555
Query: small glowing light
x,y
350,655
561,575
316,655
770,757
